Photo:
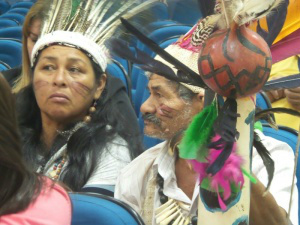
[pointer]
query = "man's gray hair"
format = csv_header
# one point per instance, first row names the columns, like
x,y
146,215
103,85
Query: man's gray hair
x,y
183,92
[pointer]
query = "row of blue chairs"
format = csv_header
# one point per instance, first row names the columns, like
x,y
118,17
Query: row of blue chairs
x,y
12,17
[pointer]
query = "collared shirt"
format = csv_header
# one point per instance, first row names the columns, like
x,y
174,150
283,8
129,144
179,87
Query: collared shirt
x,y
132,183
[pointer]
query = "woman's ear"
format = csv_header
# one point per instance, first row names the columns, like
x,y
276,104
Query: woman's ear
x,y
101,86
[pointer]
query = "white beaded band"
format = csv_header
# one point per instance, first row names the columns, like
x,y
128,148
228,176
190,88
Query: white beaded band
x,y
71,39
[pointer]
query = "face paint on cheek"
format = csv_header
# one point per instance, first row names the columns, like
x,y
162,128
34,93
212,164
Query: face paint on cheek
x,y
39,84
164,110
80,88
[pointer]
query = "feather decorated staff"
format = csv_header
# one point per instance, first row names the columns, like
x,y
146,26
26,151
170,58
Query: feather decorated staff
x,y
234,63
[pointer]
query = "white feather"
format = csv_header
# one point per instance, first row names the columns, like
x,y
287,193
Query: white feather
x,y
255,9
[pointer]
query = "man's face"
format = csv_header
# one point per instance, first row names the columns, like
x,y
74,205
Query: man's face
x,y
164,112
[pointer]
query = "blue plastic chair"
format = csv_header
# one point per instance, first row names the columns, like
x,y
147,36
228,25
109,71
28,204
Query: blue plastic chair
x,y
22,5
96,209
160,11
289,136
14,16
185,12
11,52
4,6
262,100
160,23
7,23
163,33
11,33
21,11
117,70
4,66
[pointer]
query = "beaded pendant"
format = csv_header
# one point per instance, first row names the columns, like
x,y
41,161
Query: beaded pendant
x,y
54,174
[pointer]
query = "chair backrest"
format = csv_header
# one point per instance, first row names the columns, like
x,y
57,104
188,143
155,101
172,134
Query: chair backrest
x,y
4,6
8,23
22,5
4,66
11,52
262,100
21,11
14,16
186,12
289,136
11,33
94,209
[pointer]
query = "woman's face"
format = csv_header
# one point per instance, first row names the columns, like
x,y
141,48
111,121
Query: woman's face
x,y
65,85
33,34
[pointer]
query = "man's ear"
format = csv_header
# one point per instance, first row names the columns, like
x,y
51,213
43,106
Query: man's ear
x,y
100,87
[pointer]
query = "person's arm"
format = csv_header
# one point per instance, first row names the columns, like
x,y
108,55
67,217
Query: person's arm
x,y
264,209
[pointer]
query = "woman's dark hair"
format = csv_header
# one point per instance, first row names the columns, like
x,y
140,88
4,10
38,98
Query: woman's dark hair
x,y
18,186
85,146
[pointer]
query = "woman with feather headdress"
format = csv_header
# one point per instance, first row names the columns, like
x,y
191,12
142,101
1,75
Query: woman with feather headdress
x,y
72,130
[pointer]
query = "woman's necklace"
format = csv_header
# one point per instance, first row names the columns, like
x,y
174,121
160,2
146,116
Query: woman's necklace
x,y
171,211
57,168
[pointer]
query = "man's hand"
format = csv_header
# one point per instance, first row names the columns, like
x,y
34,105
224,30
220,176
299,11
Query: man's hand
x,y
276,95
293,97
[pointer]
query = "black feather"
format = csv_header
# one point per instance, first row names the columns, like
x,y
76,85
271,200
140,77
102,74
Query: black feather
x,y
143,60
287,82
225,126
220,161
263,113
194,78
206,7
265,156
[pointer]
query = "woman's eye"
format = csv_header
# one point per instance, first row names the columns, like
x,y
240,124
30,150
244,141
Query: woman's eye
x,y
34,40
48,67
75,70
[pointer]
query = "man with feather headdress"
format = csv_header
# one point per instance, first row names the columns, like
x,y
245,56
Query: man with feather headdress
x,y
164,189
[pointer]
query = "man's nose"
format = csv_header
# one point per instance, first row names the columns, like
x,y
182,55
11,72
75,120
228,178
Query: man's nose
x,y
148,106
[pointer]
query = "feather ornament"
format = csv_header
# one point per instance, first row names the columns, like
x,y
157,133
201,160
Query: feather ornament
x,y
287,82
96,19
198,134
244,11
194,78
227,181
225,129
263,113
266,158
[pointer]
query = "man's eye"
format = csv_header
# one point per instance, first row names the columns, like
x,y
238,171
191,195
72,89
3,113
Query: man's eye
x,y
158,94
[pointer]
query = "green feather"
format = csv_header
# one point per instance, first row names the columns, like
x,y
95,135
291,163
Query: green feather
x,y
198,134
75,4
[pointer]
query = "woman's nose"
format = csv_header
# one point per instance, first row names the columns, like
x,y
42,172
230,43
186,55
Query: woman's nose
x,y
59,78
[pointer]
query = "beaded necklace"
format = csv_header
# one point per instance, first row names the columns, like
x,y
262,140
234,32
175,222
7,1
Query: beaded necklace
x,y
57,168
170,212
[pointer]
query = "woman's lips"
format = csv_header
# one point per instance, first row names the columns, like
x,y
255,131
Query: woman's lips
x,y
59,98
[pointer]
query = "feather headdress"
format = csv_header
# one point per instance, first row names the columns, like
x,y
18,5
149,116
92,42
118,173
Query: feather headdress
x,y
88,24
